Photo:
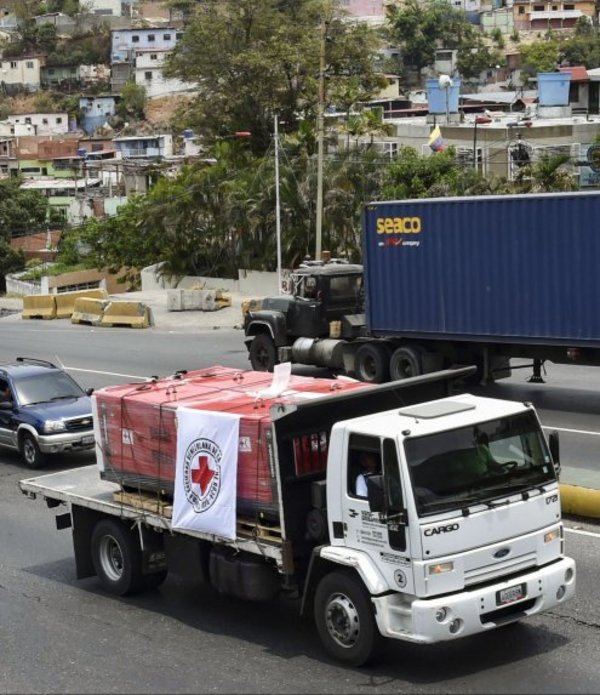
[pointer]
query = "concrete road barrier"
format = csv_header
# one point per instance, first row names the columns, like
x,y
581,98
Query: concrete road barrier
x,y
580,501
88,310
39,306
65,301
122,313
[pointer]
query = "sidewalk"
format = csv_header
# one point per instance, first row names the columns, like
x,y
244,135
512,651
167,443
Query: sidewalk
x,y
579,488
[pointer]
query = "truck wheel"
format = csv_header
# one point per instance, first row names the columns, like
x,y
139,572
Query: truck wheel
x,y
30,451
371,363
117,557
405,362
263,353
344,619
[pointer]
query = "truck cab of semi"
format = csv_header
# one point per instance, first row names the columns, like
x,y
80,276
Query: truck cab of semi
x,y
324,301
460,532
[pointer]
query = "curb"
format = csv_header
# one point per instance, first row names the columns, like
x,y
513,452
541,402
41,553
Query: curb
x,y
580,501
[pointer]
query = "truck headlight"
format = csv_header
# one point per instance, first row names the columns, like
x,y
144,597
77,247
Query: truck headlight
x,y
54,426
440,568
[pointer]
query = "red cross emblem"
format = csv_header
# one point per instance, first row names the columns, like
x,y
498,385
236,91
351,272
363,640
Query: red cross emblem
x,y
202,475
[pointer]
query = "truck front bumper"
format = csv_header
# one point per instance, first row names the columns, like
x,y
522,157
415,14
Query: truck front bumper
x,y
67,441
475,609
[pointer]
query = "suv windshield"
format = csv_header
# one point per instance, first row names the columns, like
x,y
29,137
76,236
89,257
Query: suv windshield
x,y
47,386
476,464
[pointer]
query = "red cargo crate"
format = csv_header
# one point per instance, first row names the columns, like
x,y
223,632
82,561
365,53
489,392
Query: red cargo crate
x,y
136,428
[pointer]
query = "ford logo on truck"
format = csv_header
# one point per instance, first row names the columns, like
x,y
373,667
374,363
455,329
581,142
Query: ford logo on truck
x,y
447,528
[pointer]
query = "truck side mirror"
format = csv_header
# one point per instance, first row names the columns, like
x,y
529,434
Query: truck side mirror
x,y
554,444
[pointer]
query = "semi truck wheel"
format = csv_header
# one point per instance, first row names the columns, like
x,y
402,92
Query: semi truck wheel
x,y
30,451
344,618
371,363
263,353
405,362
117,557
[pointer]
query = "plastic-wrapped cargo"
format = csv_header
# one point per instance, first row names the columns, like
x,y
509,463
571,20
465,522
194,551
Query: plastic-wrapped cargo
x,y
136,428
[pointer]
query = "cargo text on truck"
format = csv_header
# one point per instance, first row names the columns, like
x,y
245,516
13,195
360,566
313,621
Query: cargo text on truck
x,y
247,480
477,280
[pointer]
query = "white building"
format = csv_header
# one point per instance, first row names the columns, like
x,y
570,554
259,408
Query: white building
x,y
35,124
148,73
21,71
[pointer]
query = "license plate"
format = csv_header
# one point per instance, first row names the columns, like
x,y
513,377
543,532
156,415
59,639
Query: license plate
x,y
87,440
511,594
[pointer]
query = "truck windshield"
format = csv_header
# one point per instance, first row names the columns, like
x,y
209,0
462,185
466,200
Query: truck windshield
x,y
476,464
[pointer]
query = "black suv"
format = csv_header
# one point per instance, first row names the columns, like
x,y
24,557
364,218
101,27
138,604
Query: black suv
x,y
43,410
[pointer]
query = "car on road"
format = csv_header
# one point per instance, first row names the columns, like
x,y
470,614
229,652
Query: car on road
x,y
43,411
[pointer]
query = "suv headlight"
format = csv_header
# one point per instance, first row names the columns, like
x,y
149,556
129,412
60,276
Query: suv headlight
x,y
54,426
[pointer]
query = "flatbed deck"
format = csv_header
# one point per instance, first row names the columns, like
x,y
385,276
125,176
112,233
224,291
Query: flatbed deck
x,y
83,487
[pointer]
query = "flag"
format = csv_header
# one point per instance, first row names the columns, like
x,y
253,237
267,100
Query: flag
x,y
435,139
206,472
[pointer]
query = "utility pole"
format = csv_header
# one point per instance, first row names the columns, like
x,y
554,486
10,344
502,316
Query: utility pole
x,y
277,209
320,107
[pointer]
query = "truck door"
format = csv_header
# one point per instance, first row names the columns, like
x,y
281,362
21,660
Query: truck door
x,y
386,541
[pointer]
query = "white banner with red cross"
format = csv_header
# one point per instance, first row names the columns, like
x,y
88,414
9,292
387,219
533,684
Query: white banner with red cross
x,y
206,472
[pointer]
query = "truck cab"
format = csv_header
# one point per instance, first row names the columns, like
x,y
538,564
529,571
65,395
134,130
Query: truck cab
x,y
460,532
325,300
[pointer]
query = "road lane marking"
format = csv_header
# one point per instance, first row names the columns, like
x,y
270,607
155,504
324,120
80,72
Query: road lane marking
x,y
96,371
582,533
566,429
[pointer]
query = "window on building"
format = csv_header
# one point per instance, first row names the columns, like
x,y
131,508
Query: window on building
x,y
135,39
166,37
521,9
569,6
29,64
538,8
51,71
13,63
28,120
179,35
148,76
59,119
45,121
153,56
151,38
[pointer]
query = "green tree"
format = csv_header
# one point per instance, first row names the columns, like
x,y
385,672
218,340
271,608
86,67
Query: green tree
x,y
132,102
254,58
541,56
418,28
21,211
547,175
11,261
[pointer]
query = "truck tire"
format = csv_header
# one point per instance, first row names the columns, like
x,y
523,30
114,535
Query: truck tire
x,y
263,353
405,362
371,363
117,557
30,451
345,620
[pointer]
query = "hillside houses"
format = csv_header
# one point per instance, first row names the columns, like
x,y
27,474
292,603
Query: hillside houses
x,y
87,162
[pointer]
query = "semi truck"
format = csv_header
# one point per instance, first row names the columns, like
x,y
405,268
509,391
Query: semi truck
x,y
460,532
495,281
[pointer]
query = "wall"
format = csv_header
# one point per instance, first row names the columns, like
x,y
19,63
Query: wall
x,y
250,282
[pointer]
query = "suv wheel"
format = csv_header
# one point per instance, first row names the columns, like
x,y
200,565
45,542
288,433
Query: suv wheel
x,y
30,451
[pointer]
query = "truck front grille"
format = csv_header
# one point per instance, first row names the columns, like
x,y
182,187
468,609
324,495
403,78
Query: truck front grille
x,y
485,573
